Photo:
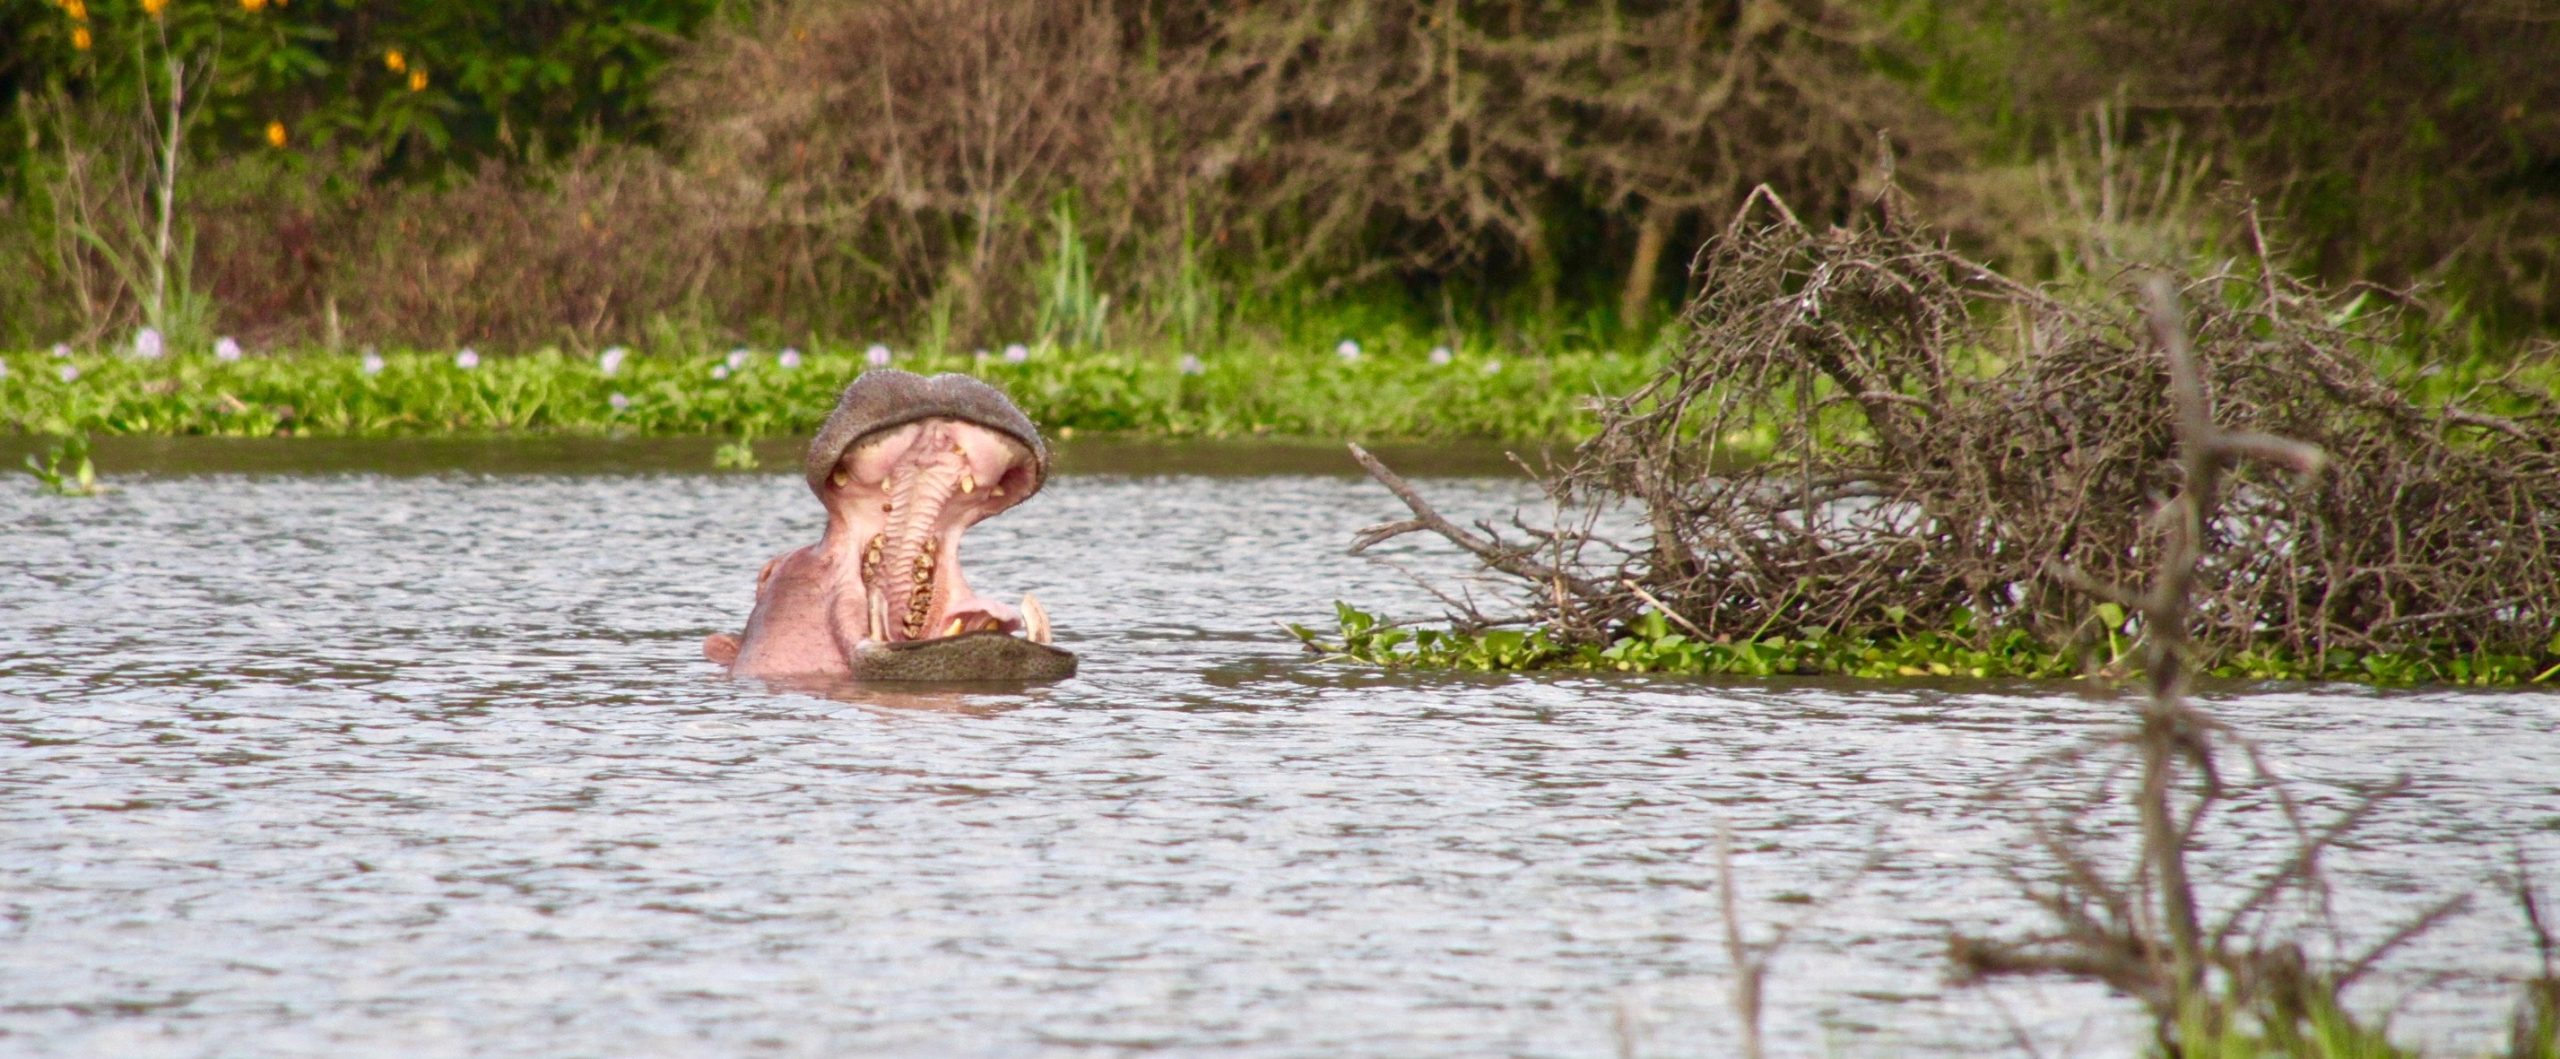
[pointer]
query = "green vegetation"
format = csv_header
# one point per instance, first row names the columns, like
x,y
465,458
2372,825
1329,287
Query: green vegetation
x,y
409,174
64,469
1651,644
1396,393
399,88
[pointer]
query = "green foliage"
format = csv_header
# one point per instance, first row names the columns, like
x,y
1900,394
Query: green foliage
x,y
735,455
65,469
421,84
2408,144
1386,394
1652,644
1072,313
2318,1029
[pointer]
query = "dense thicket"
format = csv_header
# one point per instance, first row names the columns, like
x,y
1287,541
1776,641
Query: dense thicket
x,y
2396,140
970,171
1948,448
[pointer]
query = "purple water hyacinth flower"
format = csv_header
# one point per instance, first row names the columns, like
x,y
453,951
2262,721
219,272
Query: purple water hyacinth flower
x,y
468,359
1349,351
1440,355
1016,353
788,358
372,362
610,360
62,349
226,349
147,344
738,358
878,355
1191,364
1492,365
619,402
719,371
68,372
4,369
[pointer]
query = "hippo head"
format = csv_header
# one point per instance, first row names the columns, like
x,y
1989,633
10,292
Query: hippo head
x,y
905,465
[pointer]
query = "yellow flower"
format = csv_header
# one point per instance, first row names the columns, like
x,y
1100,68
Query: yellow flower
x,y
394,61
78,10
253,6
80,37
275,134
417,80
152,7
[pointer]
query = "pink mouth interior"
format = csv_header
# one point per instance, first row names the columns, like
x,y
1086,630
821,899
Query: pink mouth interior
x,y
908,493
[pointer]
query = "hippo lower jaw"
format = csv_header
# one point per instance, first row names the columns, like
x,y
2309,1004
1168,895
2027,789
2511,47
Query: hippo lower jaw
x,y
976,656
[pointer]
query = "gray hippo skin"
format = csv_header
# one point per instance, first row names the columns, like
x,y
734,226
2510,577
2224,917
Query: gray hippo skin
x,y
904,466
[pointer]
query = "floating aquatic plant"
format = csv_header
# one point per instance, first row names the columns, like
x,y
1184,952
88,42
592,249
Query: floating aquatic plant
x,y
65,469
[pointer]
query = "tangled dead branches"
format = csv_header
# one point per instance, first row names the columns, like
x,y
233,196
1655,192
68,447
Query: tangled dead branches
x,y
2146,932
1867,431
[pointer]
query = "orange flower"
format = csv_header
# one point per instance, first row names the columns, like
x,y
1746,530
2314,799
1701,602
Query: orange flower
x,y
78,10
253,6
275,134
394,61
80,37
152,7
417,80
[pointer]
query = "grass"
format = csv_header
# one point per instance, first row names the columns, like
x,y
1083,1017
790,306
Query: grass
x,y
1651,644
1386,393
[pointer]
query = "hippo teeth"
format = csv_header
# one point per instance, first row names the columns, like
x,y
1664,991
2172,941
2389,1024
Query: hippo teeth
x,y
1035,621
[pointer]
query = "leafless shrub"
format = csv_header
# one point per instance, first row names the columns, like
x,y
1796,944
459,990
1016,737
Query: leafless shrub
x,y
1471,134
600,246
910,152
2535,1031
2404,140
2144,931
907,153
1944,442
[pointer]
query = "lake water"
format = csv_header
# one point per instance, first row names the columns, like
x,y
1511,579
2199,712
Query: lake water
x,y
410,750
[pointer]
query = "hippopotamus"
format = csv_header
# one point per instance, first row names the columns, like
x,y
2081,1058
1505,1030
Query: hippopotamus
x,y
904,465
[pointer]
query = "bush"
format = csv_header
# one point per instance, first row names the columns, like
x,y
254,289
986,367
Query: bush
x,y
1946,448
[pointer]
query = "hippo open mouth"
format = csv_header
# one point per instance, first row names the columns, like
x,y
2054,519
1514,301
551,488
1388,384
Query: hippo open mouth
x,y
911,491
905,465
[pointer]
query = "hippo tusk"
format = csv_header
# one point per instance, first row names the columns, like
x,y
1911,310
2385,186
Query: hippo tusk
x,y
1035,621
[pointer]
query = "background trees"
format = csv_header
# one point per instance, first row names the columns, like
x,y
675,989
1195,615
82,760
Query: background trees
x,y
968,171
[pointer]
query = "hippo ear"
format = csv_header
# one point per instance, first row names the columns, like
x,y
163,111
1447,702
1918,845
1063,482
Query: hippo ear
x,y
720,647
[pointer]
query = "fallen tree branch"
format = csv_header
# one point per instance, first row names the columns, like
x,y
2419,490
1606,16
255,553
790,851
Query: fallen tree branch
x,y
1493,553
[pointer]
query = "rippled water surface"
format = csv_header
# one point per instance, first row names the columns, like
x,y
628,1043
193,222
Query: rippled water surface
x,y
349,762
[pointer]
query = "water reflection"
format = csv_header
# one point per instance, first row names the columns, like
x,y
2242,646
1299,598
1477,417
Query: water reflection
x,y
973,698
296,765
